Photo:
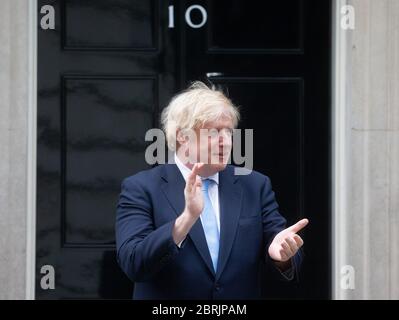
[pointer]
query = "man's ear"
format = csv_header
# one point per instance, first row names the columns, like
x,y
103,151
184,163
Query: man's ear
x,y
180,139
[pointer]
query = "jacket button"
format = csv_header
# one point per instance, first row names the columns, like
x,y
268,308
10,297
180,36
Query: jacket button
x,y
217,287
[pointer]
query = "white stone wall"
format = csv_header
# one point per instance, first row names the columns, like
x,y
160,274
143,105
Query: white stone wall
x,y
367,235
13,146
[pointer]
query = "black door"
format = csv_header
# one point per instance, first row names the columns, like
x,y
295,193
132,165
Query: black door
x,y
109,67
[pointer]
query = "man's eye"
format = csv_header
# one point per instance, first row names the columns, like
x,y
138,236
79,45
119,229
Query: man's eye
x,y
228,132
213,133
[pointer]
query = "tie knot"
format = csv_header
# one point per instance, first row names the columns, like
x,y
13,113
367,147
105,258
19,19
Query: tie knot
x,y
206,183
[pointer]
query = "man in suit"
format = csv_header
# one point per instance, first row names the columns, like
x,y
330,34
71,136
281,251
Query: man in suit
x,y
196,230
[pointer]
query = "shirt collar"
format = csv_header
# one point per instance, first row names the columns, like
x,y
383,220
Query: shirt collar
x,y
186,171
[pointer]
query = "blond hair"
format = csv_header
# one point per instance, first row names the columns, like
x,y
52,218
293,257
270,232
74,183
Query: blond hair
x,y
193,107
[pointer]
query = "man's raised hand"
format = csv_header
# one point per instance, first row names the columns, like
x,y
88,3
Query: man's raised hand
x,y
193,193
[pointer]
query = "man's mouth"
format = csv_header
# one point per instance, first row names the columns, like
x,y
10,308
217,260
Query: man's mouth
x,y
221,155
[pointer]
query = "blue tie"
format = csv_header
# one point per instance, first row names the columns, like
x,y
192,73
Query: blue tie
x,y
208,219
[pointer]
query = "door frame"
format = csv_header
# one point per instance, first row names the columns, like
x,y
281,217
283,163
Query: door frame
x,y
30,275
341,129
340,96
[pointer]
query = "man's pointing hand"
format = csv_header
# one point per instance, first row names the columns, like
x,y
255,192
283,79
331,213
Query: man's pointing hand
x,y
287,242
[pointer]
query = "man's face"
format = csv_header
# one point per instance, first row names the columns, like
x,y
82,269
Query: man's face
x,y
211,145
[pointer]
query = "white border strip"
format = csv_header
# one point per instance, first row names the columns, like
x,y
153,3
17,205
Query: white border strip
x,y
31,155
341,135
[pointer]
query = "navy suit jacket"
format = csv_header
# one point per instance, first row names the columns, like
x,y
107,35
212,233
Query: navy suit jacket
x,y
148,206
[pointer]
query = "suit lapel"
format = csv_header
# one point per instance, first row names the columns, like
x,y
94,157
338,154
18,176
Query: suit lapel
x,y
173,189
230,197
